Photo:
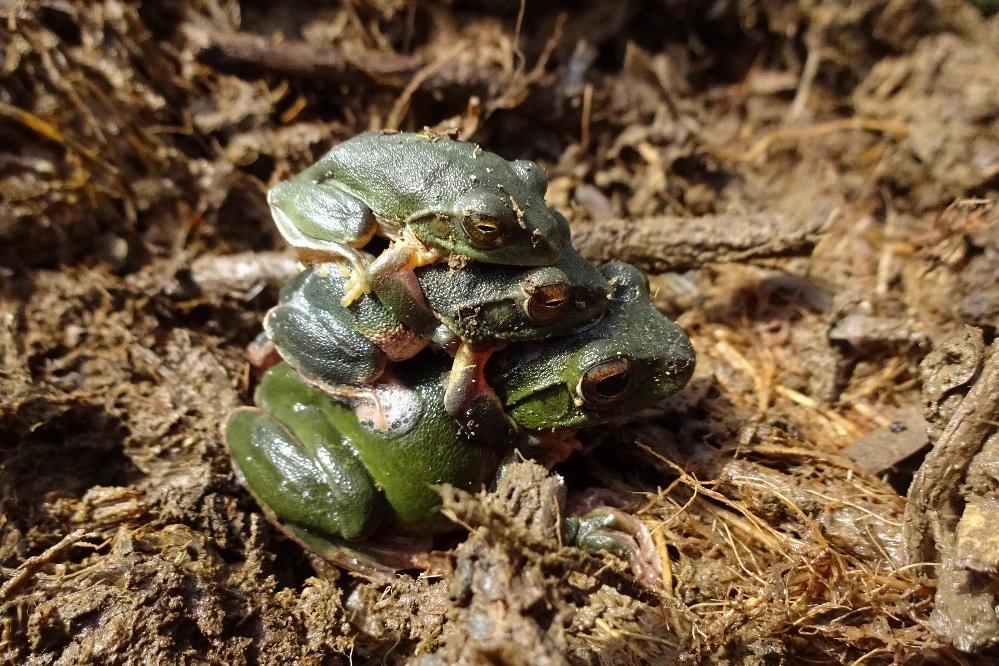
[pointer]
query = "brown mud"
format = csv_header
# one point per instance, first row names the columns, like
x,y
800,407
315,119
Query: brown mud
x,y
814,187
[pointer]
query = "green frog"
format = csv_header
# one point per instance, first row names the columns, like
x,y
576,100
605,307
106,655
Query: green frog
x,y
431,196
330,478
477,310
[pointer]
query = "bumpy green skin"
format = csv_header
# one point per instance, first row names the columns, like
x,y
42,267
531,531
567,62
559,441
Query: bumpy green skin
x,y
481,304
485,304
539,383
325,341
330,476
386,182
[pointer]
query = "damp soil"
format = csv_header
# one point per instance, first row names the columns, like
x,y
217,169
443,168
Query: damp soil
x,y
812,187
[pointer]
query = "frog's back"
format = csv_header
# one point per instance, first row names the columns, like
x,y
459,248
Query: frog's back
x,y
399,174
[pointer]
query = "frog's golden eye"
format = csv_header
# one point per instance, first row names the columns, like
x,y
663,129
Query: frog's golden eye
x,y
547,302
484,233
605,382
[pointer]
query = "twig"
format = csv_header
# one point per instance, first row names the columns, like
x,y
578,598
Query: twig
x,y
243,272
895,128
808,73
670,243
661,244
402,103
298,58
31,566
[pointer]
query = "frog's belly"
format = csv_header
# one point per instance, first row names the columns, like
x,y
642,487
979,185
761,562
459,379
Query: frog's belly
x,y
406,467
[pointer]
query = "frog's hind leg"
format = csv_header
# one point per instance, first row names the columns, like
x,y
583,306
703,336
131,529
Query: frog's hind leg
x,y
302,471
357,260
378,557
595,524
322,223
320,339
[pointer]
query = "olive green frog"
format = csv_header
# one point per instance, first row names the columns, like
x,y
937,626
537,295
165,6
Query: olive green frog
x,y
330,478
431,196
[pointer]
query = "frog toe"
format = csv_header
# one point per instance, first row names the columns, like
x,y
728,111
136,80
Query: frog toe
x,y
357,286
612,530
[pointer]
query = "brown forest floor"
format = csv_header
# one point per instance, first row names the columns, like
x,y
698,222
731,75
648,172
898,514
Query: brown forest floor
x,y
137,141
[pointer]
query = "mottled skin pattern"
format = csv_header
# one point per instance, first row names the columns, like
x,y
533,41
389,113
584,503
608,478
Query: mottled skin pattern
x,y
477,309
432,196
331,478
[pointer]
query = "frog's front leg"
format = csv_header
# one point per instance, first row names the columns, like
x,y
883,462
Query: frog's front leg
x,y
470,399
322,222
395,265
401,294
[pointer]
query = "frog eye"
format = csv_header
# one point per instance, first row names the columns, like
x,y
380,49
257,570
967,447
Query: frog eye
x,y
484,232
547,302
605,382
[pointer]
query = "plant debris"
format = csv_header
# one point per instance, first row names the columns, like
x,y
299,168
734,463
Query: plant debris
x,y
814,188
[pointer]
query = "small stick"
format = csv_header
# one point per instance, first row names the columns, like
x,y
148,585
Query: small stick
x,y
299,58
671,243
30,566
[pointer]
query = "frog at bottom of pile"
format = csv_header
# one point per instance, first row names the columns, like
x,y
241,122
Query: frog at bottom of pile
x,y
334,482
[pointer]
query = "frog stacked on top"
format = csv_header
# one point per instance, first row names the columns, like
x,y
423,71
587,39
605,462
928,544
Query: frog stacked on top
x,y
479,330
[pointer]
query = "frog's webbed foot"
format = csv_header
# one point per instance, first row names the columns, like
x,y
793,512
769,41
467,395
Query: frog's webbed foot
x,y
613,530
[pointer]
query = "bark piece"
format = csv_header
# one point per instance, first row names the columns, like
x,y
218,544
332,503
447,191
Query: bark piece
x,y
885,447
661,244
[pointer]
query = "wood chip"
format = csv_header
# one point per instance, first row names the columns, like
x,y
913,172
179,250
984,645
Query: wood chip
x,y
886,447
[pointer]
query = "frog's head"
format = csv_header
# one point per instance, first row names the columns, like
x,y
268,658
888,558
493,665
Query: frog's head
x,y
633,358
487,304
499,216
